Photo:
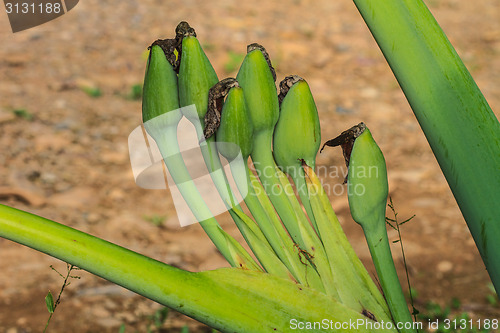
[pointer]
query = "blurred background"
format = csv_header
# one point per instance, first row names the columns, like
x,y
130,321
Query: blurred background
x,y
70,94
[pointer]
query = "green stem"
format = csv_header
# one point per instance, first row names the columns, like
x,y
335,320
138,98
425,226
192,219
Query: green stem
x,y
461,128
247,227
166,139
266,169
301,186
246,187
211,156
378,243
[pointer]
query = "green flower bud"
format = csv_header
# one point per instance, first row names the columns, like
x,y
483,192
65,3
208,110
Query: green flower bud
x,y
297,134
196,77
160,89
257,80
235,131
367,183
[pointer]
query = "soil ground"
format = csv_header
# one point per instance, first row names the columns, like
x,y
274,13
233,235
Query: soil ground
x,y
65,156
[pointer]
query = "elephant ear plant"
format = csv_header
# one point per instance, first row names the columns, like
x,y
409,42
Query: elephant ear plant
x,y
303,270
303,274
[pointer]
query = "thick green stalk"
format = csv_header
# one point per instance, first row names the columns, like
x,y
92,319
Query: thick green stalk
x,y
463,132
300,184
229,300
266,170
378,243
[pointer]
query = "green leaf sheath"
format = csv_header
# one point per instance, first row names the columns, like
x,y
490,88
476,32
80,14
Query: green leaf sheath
x,y
235,137
214,166
229,300
461,128
281,194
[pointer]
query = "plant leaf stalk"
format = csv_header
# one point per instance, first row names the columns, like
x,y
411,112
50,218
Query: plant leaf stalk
x,y
228,299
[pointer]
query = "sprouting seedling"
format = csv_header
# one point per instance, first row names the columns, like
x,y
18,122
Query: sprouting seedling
x,y
23,113
393,223
156,220
49,299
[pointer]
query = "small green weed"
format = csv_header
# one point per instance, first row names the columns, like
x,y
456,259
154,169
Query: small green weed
x,y
440,319
395,224
23,113
93,92
157,220
49,299
135,93
157,319
234,61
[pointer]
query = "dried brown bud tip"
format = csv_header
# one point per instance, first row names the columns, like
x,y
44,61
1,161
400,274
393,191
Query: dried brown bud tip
x,y
216,96
168,46
286,84
256,46
184,30
346,141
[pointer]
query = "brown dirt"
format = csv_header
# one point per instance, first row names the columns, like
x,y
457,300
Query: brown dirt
x,y
70,161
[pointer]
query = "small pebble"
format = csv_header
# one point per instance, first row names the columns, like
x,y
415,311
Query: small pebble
x,y
445,266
